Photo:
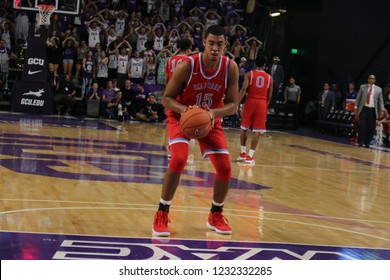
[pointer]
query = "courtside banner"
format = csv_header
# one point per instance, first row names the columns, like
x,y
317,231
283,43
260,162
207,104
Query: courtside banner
x,y
33,93
35,62
32,97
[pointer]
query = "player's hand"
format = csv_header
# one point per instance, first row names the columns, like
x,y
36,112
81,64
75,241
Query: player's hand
x,y
187,108
207,108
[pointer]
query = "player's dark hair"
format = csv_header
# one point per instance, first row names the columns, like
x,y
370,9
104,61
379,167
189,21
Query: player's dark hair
x,y
184,44
261,60
216,30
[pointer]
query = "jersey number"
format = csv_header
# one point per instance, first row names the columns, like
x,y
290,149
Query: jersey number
x,y
174,64
204,99
260,82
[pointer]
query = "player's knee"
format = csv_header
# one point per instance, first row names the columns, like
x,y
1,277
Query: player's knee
x,y
179,155
223,169
224,173
177,164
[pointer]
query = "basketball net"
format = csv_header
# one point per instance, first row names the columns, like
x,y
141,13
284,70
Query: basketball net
x,y
45,11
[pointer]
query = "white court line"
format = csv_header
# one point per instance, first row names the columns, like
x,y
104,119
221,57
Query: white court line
x,y
237,215
245,216
154,206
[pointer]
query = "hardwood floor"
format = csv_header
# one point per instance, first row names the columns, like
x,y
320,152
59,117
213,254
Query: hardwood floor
x,y
65,176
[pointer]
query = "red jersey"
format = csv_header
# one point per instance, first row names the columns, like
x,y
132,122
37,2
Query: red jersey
x,y
172,63
205,87
259,83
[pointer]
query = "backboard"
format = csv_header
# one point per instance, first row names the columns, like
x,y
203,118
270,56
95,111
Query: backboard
x,y
69,7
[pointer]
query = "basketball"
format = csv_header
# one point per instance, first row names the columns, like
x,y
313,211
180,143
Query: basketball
x,y
195,123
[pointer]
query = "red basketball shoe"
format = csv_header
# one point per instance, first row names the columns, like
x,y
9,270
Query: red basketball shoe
x,y
249,160
242,157
219,223
160,224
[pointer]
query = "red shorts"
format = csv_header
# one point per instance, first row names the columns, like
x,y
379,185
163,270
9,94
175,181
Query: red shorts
x,y
213,143
254,114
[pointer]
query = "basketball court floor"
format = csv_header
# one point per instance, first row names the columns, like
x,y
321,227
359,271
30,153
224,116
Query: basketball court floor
x,y
88,189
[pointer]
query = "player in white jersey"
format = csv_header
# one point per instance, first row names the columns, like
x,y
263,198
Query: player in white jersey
x,y
159,32
136,69
142,33
93,32
123,59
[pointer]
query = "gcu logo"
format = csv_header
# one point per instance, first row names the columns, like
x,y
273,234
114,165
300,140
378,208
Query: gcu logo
x,y
35,61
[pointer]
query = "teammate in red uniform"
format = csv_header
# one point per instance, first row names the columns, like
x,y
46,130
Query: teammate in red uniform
x,y
184,46
259,85
208,80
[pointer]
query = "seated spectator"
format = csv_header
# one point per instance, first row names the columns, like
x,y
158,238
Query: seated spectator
x,y
152,110
66,92
129,96
94,93
93,100
115,85
350,97
116,108
107,94
384,121
141,97
386,95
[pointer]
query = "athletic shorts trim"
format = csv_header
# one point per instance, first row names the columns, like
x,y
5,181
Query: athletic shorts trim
x,y
259,130
215,151
178,140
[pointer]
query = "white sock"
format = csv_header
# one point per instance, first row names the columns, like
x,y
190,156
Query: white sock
x,y
243,149
217,204
165,202
251,153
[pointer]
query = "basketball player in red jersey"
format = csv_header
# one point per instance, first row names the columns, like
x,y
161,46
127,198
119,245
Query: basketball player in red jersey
x,y
184,49
185,46
208,80
259,86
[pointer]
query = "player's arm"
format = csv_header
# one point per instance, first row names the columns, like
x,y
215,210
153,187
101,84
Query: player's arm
x,y
270,90
231,94
244,87
176,84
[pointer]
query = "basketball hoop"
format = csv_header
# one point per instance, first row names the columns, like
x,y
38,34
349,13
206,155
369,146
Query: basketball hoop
x,y
45,12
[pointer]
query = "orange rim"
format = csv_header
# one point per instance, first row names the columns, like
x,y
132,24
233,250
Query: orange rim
x,y
46,7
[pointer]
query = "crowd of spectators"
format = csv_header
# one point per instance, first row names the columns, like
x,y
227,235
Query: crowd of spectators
x,y
115,40
124,45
